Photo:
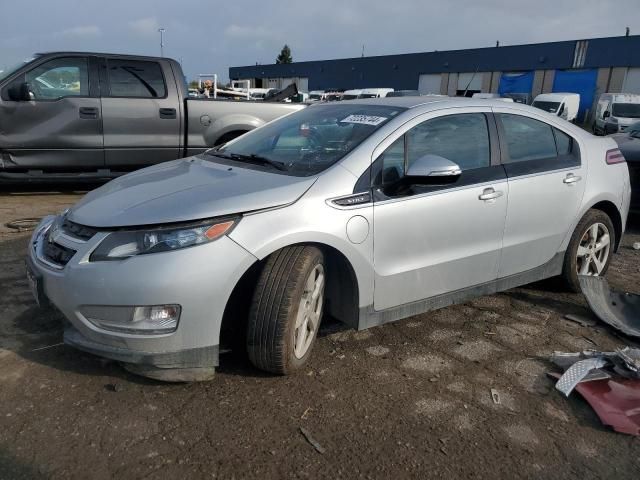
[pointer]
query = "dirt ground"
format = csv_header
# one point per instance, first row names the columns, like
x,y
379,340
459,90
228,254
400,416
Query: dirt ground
x,y
407,400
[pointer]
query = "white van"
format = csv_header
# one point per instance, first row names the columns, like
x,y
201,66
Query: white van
x,y
491,96
615,112
351,94
564,105
375,92
317,96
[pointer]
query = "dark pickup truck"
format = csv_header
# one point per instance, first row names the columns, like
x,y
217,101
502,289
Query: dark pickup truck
x,y
73,115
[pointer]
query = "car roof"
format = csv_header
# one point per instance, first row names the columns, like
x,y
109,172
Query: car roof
x,y
436,102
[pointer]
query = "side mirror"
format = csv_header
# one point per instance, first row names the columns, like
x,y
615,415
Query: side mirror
x,y
606,114
20,92
432,168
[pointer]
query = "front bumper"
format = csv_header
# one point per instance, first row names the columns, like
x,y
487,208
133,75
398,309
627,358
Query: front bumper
x,y
200,279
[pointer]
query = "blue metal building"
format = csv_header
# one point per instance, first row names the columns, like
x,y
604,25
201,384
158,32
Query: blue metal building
x,y
588,67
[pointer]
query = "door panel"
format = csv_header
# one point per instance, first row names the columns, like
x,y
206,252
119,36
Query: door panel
x,y
442,242
545,193
142,122
61,127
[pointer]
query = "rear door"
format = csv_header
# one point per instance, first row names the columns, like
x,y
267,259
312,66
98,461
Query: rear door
x,y
546,179
60,128
141,116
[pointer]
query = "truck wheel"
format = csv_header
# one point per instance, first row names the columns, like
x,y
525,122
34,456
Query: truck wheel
x,y
286,309
590,249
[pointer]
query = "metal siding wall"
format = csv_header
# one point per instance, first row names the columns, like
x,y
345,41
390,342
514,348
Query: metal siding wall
x,y
486,82
444,84
547,84
538,80
402,71
453,84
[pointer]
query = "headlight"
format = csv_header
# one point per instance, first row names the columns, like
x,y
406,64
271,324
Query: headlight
x,y
128,243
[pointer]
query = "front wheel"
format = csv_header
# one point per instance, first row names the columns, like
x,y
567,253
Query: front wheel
x,y
590,249
286,309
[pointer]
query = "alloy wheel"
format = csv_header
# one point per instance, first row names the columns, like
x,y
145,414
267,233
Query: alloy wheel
x,y
593,250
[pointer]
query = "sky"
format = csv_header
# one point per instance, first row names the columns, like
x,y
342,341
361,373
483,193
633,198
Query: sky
x,y
209,36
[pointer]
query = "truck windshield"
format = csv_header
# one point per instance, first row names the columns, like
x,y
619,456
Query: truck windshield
x,y
309,141
626,110
349,97
546,106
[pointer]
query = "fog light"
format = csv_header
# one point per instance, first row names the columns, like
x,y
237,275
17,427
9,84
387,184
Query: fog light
x,y
150,320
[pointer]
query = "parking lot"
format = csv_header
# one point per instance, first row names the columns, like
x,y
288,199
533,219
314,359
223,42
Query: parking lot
x,y
410,399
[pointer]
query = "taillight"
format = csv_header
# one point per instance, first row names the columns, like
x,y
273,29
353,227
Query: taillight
x,y
614,156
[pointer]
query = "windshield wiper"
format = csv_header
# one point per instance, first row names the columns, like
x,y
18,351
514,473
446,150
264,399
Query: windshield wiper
x,y
253,158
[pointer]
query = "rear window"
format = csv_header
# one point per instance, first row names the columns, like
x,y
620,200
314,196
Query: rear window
x,y
132,78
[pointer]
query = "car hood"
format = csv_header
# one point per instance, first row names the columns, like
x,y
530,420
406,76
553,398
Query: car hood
x,y
185,190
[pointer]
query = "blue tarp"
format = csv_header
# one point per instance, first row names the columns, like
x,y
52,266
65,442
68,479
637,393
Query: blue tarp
x,y
577,81
515,83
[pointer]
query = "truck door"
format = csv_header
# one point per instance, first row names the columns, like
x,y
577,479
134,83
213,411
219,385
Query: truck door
x,y
141,115
60,128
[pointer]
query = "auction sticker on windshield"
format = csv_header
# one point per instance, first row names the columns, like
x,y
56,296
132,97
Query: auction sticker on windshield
x,y
364,119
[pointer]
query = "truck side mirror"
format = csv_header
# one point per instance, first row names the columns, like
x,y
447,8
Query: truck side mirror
x,y
20,92
606,114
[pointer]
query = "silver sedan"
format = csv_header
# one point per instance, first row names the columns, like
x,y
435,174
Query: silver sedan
x,y
368,211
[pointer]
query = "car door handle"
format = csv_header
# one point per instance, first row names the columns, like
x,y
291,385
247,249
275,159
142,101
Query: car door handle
x,y
168,113
571,179
490,194
88,113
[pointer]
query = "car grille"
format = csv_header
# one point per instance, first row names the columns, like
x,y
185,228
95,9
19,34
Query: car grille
x,y
77,230
56,254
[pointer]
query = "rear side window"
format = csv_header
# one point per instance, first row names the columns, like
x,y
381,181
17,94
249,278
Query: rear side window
x,y
527,139
564,143
140,79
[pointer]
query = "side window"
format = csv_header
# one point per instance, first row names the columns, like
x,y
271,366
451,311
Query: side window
x,y
527,139
58,78
140,79
392,164
463,139
564,143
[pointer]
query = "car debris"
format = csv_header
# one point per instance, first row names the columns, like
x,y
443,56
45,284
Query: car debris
x,y
495,396
636,245
621,310
608,381
584,321
314,443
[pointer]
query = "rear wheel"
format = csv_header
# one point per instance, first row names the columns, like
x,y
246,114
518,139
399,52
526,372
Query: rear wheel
x,y
286,309
590,249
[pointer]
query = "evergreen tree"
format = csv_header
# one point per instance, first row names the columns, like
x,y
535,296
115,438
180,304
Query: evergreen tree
x,y
285,55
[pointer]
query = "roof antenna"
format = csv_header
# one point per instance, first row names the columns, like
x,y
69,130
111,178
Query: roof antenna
x,y
497,43
363,47
471,80
628,30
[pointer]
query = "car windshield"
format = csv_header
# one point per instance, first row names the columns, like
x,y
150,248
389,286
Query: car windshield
x,y
315,96
634,130
626,110
547,106
367,95
309,141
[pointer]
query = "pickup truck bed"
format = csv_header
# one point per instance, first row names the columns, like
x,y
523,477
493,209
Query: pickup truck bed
x,y
78,115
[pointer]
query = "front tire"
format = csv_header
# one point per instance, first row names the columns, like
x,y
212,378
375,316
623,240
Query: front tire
x,y
590,249
286,309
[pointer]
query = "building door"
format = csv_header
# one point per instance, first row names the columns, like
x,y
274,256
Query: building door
x,y
582,82
632,81
469,83
429,84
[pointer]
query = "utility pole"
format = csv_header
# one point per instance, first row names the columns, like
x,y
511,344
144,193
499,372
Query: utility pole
x,y
161,30
627,32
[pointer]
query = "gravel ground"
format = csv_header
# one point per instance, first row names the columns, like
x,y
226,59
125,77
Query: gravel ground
x,y
410,399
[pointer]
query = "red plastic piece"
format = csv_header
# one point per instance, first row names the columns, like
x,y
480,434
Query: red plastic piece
x,y
616,401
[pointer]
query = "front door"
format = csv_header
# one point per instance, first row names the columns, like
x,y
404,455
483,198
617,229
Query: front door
x,y
60,128
546,184
142,118
438,238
